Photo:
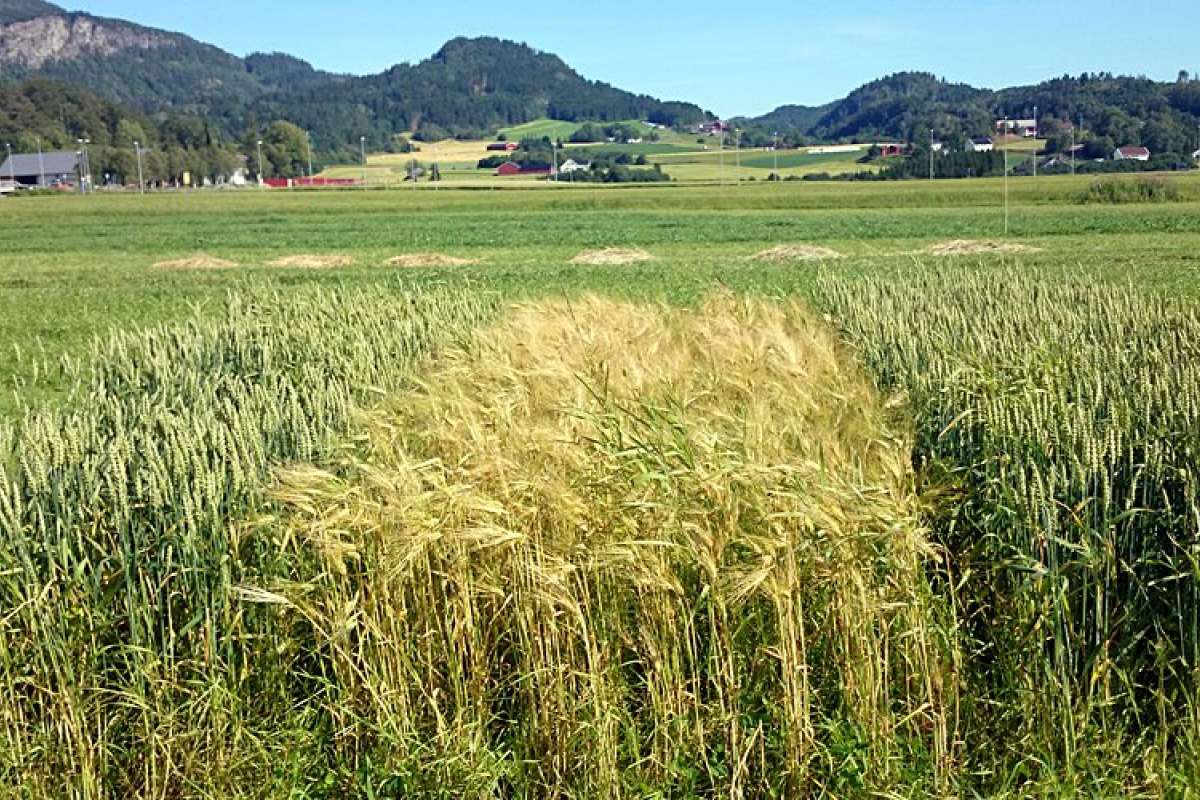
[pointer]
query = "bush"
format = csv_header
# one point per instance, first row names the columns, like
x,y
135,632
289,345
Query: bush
x,y
1117,191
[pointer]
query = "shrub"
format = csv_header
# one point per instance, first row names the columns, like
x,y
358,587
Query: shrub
x,y
1119,191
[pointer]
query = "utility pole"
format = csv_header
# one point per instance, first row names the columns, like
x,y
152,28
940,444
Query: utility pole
x,y
12,167
362,146
1074,133
41,164
1006,179
137,146
1035,140
85,166
931,154
722,154
261,184
554,160
776,135
737,155
308,141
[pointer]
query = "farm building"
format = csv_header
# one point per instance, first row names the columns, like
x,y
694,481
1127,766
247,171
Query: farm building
x,y
1131,154
891,150
510,168
571,165
1021,127
981,144
45,169
502,147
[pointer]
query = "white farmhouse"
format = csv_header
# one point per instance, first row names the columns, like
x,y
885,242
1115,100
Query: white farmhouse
x,y
981,144
1131,154
571,165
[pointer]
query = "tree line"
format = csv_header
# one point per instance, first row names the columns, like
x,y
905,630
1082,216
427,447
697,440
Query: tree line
x,y
44,115
1115,111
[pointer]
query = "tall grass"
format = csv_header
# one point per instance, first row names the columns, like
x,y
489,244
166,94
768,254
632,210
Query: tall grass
x,y
129,660
1119,191
623,551
1062,420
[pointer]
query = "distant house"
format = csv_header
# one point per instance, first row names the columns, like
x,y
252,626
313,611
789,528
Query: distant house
x,y
571,165
502,147
1021,127
938,147
1196,156
1131,154
46,169
510,168
981,144
891,150
713,128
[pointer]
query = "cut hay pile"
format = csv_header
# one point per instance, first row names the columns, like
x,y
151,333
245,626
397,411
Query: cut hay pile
x,y
612,256
198,261
796,252
972,247
429,260
328,261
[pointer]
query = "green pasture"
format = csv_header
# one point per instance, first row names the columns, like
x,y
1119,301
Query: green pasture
x,y
98,275
220,505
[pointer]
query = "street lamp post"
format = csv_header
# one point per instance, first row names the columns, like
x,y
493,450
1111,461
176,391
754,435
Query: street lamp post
x,y
931,154
137,146
12,167
41,163
776,136
261,183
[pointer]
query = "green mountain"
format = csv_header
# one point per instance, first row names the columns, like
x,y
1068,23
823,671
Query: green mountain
x,y
469,87
790,118
1116,110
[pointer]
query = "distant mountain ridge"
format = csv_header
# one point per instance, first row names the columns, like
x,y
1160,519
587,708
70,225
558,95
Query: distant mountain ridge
x,y
470,86
908,106
473,86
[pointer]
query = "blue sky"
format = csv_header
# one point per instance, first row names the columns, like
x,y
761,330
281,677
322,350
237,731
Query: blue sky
x,y
732,58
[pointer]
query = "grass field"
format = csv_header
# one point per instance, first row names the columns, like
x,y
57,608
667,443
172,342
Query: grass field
x,y
823,499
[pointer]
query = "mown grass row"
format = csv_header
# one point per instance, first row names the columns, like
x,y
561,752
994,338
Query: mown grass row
x,y
125,652
1060,421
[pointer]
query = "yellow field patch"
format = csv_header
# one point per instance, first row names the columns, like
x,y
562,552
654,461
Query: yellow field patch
x,y
199,261
607,534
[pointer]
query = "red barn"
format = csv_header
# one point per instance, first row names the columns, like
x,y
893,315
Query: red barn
x,y
502,147
891,150
510,168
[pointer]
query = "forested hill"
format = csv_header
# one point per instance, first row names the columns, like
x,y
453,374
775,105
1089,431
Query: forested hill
x,y
470,87
906,106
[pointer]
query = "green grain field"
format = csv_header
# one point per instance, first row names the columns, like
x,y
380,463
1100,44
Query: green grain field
x,y
834,490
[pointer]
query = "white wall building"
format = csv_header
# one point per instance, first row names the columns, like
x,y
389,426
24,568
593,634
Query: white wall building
x,y
1131,154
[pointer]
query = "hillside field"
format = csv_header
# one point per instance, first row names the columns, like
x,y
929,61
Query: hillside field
x,y
782,490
